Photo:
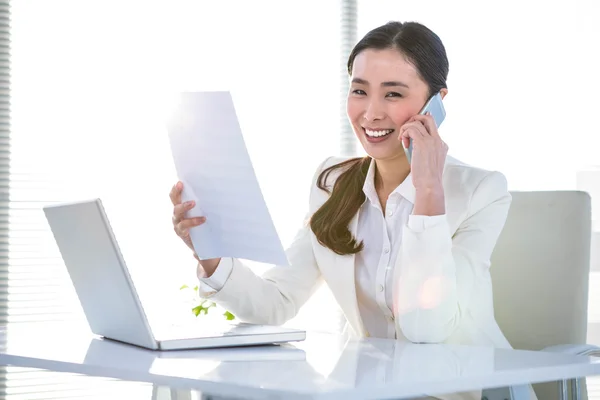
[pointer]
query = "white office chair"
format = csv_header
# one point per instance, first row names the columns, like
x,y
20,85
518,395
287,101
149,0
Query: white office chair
x,y
540,274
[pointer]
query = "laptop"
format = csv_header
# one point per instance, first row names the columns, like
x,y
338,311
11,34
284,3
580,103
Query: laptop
x,y
109,299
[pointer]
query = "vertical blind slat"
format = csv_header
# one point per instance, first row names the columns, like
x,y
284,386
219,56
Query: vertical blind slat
x,y
348,28
5,49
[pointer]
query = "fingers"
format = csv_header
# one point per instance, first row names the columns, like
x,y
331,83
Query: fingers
x,y
405,141
175,194
183,227
179,210
428,122
419,126
412,130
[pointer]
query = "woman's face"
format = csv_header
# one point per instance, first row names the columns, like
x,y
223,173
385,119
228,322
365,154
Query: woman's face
x,y
385,91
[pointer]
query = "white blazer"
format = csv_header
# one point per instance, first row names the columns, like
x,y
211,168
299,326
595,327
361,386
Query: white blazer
x,y
442,278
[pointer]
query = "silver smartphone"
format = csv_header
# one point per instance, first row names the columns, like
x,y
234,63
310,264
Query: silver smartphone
x,y
435,106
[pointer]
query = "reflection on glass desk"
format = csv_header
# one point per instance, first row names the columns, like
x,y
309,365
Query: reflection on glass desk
x,y
321,367
18,383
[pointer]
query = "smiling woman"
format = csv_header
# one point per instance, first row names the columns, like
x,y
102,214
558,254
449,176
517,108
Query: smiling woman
x,y
403,232
394,70
375,65
404,247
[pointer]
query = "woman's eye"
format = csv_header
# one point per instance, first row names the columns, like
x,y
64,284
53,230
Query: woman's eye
x,y
393,94
359,92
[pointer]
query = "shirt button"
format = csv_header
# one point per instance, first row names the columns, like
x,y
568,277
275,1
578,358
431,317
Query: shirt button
x,y
380,288
386,250
390,213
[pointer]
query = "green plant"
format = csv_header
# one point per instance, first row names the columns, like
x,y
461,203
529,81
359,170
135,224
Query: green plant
x,y
205,304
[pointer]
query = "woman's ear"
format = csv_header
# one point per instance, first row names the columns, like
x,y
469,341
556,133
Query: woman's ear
x,y
444,92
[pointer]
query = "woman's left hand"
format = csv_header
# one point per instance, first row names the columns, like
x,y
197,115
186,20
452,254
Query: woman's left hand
x,y
428,154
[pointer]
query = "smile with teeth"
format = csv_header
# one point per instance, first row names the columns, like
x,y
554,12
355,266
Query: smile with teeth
x,y
379,132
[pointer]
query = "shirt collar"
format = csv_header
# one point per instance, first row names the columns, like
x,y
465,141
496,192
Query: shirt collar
x,y
406,189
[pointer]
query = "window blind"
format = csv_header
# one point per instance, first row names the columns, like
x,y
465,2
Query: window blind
x,y
4,155
348,25
86,103
37,287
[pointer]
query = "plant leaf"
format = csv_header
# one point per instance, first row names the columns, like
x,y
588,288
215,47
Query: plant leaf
x,y
197,310
184,287
229,316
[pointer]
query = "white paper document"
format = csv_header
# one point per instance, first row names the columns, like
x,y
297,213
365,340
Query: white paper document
x,y
212,161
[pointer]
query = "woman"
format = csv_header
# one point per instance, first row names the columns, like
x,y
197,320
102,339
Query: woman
x,y
405,248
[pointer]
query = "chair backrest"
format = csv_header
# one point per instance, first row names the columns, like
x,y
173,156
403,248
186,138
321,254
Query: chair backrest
x,y
540,269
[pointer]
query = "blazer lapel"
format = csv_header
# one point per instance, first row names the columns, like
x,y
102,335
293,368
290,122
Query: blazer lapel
x,y
344,285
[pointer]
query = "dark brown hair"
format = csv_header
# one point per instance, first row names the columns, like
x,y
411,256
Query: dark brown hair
x,y
425,51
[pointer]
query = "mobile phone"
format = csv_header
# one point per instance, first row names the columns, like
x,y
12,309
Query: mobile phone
x,y
435,106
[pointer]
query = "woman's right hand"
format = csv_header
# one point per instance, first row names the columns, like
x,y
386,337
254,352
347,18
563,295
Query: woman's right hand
x,y
182,226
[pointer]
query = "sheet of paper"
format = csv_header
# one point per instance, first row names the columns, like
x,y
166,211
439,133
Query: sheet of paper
x,y
213,163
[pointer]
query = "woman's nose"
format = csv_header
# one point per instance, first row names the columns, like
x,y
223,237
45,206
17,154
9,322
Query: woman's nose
x,y
374,111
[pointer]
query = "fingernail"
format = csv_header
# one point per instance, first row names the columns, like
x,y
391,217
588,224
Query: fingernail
x,y
179,185
200,220
189,203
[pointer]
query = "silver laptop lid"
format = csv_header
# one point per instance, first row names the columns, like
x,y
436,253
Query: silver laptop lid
x,y
98,272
